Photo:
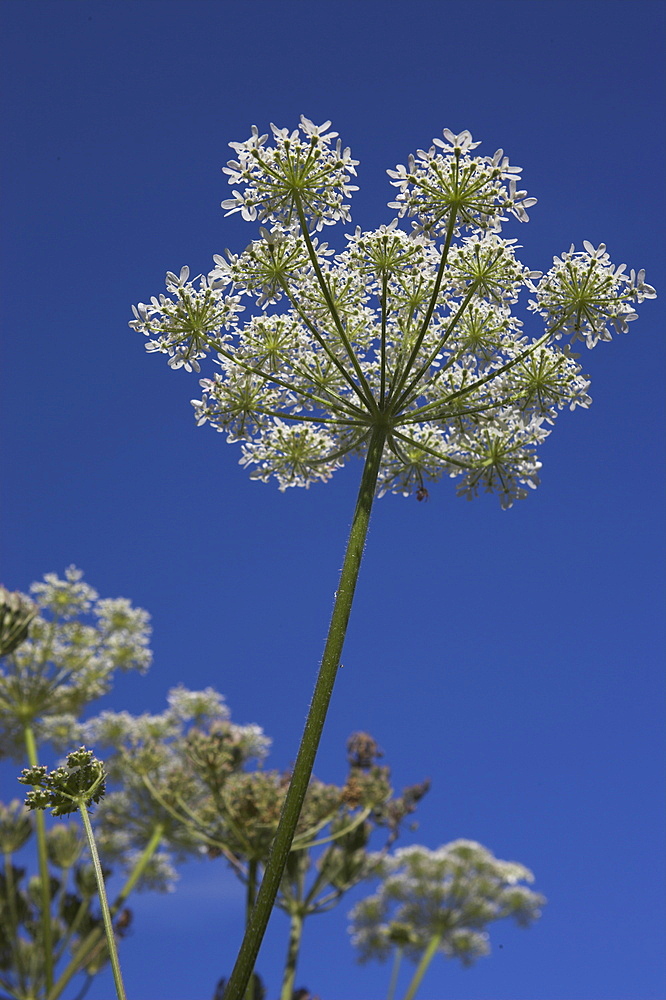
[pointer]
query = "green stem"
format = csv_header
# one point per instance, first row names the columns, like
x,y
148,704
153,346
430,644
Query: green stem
x,y
397,959
13,930
305,844
315,721
322,343
271,377
104,902
44,875
90,942
363,390
412,389
251,894
295,934
397,389
509,364
422,967
250,898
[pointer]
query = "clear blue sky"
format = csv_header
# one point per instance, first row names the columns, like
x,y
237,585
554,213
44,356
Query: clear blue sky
x,y
516,658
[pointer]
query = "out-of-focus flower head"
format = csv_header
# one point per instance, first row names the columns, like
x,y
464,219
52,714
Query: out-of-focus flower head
x,y
451,894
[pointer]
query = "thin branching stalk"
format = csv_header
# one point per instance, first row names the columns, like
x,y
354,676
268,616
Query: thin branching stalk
x,y
12,931
422,967
363,390
398,390
395,969
44,875
92,941
104,902
293,948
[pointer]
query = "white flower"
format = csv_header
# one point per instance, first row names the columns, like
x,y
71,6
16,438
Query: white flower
x,y
74,645
413,332
408,463
584,294
501,458
65,598
185,324
451,893
295,455
297,176
488,264
454,188
186,705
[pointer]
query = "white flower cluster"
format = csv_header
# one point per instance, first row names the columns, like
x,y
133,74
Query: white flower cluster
x,y
412,333
182,325
298,177
451,894
147,757
450,190
132,734
74,645
584,294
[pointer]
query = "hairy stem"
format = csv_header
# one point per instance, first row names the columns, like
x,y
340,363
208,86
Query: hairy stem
x,y
44,875
250,899
422,967
12,931
295,934
104,902
397,960
314,724
90,943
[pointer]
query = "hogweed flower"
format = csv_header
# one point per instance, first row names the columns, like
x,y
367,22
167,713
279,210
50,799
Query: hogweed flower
x,y
407,331
440,901
74,643
585,294
16,613
171,769
454,188
80,780
73,787
296,175
402,348
61,650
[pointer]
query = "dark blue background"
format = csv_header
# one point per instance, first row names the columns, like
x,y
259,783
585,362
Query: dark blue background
x,y
514,657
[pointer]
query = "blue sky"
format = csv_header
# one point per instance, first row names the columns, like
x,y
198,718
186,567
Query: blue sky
x,y
515,658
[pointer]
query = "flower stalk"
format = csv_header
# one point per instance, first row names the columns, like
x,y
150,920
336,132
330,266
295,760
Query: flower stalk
x,y
422,967
60,648
293,948
103,901
43,861
402,348
314,725
92,941
73,787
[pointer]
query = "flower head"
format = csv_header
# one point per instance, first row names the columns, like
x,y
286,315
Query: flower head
x,y
74,644
410,334
187,320
451,190
584,294
301,177
451,893
16,613
81,780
